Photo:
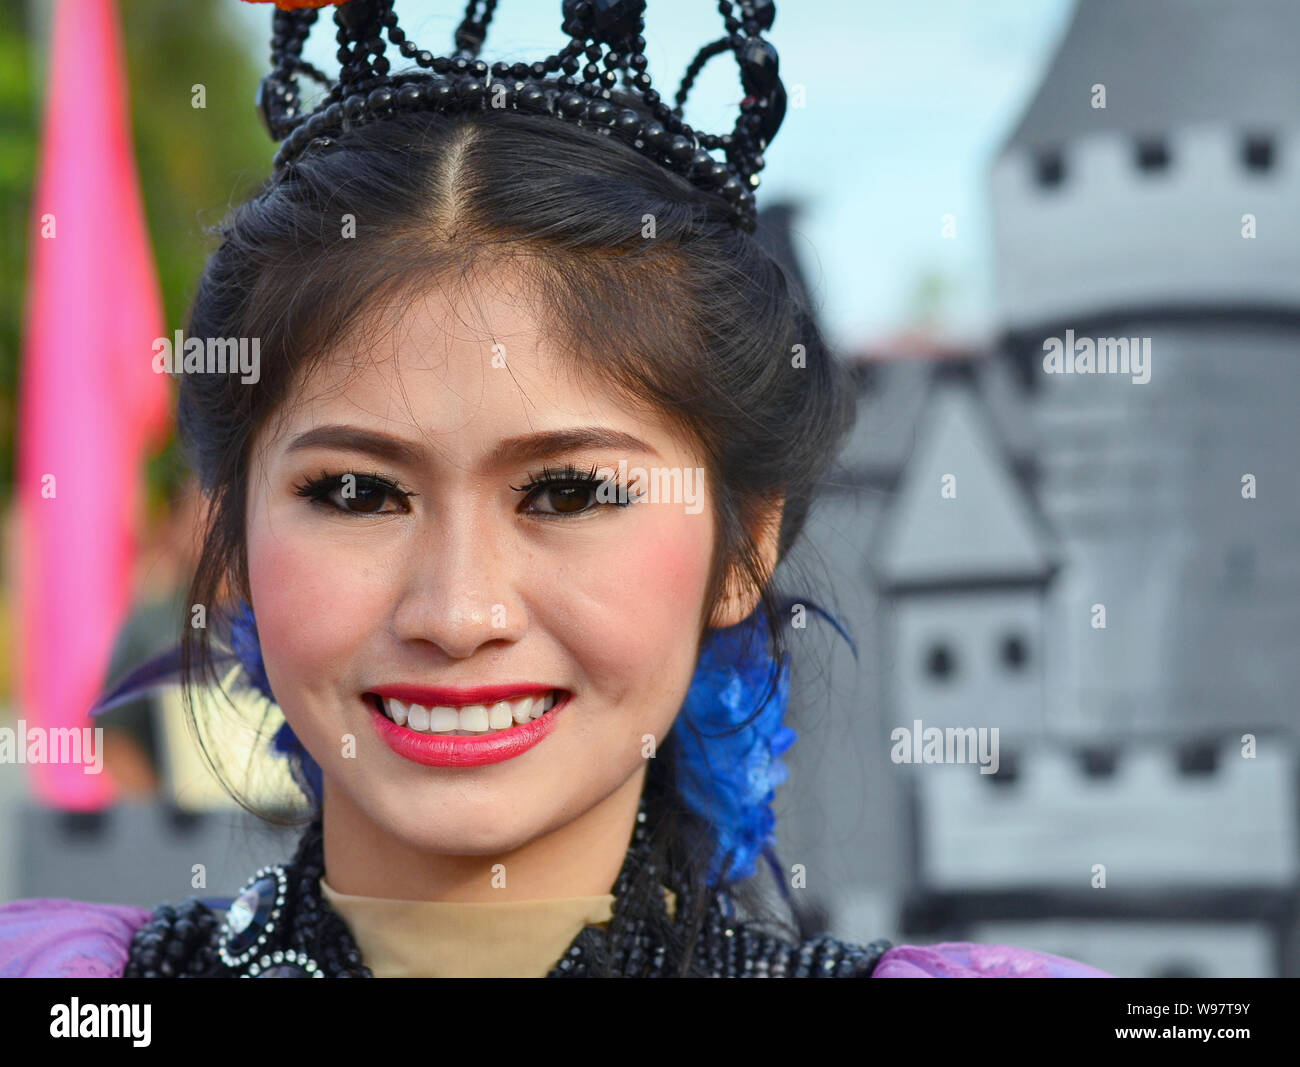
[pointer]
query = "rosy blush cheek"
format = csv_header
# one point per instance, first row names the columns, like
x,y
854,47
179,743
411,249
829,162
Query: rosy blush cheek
x,y
312,611
643,606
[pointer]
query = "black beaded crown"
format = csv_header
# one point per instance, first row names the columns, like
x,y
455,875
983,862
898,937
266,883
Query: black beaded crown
x,y
602,32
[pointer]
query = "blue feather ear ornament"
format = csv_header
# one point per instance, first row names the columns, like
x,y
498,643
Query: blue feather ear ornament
x,y
732,734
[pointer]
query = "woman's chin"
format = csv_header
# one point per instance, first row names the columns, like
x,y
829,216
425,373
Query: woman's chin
x,y
470,833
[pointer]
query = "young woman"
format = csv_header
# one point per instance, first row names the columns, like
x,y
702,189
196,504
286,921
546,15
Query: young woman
x,y
494,525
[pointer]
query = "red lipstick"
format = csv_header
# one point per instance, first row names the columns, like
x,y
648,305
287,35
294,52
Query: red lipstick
x,y
451,750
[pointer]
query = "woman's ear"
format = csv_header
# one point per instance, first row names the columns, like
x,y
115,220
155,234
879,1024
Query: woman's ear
x,y
741,596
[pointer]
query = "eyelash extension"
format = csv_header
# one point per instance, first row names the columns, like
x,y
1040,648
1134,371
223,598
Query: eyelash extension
x,y
320,488
571,476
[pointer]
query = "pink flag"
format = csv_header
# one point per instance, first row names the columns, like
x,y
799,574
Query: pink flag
x,y
89,401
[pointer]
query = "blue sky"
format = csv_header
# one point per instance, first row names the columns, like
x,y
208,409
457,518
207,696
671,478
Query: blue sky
x,y
905,107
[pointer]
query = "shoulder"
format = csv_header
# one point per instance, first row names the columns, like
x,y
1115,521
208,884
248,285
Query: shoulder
x,y
965,959
53,938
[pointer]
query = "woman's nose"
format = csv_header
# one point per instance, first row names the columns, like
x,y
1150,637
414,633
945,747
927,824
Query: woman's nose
x,y
459,587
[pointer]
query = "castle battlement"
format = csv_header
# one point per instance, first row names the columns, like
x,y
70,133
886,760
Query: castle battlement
x,y
1093,227
1150,823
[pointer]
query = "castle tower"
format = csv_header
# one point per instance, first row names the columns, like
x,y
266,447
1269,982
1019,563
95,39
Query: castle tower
x,y
1164,223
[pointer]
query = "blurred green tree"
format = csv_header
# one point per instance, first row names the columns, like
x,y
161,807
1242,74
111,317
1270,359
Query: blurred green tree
x,y
194,162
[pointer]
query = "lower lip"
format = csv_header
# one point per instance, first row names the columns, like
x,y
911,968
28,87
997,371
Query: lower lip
x,y
450,750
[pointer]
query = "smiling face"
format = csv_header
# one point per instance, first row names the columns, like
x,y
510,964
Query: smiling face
x,y
442,563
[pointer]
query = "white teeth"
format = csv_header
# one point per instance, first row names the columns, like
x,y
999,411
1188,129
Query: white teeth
x,y
443,720
474,718
471,719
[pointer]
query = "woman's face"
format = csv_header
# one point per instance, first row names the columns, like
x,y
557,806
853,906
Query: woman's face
x,y
460,578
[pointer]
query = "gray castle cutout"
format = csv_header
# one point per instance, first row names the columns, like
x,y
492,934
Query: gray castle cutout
x,y
1121,747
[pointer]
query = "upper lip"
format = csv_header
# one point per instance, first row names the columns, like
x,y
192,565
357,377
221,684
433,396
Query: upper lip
x,y
441,696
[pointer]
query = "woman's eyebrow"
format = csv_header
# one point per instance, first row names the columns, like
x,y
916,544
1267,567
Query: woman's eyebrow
x,y
546,443
512,450
355,439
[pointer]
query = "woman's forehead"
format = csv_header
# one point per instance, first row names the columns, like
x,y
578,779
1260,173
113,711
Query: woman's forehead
x,y
470,356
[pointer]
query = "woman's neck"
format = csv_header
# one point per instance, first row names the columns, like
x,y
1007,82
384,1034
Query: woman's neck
x,y
580,859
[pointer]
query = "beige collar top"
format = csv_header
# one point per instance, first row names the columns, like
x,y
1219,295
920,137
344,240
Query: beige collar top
x,y
442,939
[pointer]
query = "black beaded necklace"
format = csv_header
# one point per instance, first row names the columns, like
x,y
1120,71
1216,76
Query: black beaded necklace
x,y
281,927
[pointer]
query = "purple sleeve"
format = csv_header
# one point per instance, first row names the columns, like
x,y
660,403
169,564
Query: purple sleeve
x,y
46,938
964,959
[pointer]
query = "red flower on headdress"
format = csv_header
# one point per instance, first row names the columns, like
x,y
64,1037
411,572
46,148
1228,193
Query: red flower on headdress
x,y
294,5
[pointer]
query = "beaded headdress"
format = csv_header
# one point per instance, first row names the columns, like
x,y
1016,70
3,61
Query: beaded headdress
x,y
597,80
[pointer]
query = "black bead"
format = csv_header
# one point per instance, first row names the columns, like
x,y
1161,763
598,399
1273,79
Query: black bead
x,y
680,150
533,98
470,35
356,15
442,94
628,122
655,135
758,66
717,172
380,101
296,141
764,13
569,105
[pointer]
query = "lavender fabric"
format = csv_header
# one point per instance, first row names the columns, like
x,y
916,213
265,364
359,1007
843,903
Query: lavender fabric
x,y
45,938
964,959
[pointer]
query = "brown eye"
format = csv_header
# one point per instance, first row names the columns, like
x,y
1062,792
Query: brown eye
x,y
568,491
367,497
356,494
566,499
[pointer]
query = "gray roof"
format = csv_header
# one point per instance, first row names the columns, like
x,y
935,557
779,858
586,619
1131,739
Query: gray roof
x,y
1166,64
988,530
